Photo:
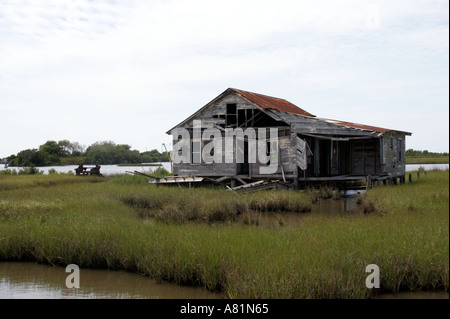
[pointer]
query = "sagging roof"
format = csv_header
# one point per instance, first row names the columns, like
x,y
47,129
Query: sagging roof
x,y
321,126
363,127
269,102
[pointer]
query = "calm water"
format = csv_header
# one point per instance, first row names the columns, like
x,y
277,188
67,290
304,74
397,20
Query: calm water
x,y
427,167
105,169
29,280
415,295
114,169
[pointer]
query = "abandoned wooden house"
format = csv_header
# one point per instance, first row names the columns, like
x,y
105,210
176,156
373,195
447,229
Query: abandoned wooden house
x,y
310,148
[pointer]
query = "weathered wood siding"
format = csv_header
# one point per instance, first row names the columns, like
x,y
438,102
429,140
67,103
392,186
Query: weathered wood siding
x,y
287,157
214,169
393,153
332,149
366,157
208,169
219,108
210,118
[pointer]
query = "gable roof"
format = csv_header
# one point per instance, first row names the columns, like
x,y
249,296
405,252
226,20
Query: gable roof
x,y
269,102
261,101
291,114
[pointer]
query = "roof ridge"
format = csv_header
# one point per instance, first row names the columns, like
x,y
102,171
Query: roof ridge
x,y
270,102
272,97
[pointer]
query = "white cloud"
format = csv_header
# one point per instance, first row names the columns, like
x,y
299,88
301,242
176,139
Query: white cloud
x,y
159,61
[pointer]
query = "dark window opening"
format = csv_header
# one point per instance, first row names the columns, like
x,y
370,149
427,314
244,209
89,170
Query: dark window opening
x,y
249,117
231,118
244,168
241,118
268,153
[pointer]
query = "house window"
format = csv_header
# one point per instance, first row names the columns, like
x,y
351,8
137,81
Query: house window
x,y
231,117
196,152
242,121
392,143
399,149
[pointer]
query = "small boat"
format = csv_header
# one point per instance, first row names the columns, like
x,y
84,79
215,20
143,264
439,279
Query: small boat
x,y
349,193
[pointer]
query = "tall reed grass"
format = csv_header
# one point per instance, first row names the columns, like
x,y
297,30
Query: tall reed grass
x,y
211,205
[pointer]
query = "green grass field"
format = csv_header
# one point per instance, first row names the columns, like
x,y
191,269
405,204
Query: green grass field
x,y
427,160
191,236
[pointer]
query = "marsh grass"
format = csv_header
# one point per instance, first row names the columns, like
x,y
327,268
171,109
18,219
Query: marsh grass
x,y
427,160
211,205
63,220
10,182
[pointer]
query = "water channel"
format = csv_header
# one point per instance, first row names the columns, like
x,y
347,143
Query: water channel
x,y
30,280
116,169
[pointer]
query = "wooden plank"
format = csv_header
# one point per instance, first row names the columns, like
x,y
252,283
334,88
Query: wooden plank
x,y
176,179
249,185
335,178
274,176
240,180
300,147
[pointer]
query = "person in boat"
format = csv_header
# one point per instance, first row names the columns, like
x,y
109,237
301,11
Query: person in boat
x,y
79,170
95,170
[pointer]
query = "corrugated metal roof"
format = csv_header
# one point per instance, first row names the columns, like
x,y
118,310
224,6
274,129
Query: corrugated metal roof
x,y
363,126
283,106
269,102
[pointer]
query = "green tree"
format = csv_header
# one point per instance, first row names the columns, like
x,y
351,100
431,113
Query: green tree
x,y
52,148
69,148
108,152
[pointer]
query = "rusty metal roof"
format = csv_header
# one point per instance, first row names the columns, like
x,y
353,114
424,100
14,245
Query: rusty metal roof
x,y
363,127
283,106
269,102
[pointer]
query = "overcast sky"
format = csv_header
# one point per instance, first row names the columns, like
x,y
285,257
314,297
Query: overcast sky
x,y
127,71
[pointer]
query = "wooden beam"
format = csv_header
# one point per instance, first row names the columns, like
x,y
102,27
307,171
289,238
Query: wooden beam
x,y
241,181
342,139
274,176
221,179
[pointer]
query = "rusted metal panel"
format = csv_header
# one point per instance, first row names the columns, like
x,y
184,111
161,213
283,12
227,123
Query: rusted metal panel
x,y
363,126
269,102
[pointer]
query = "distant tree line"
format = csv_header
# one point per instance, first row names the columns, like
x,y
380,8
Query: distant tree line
x,y
414,153
72,153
